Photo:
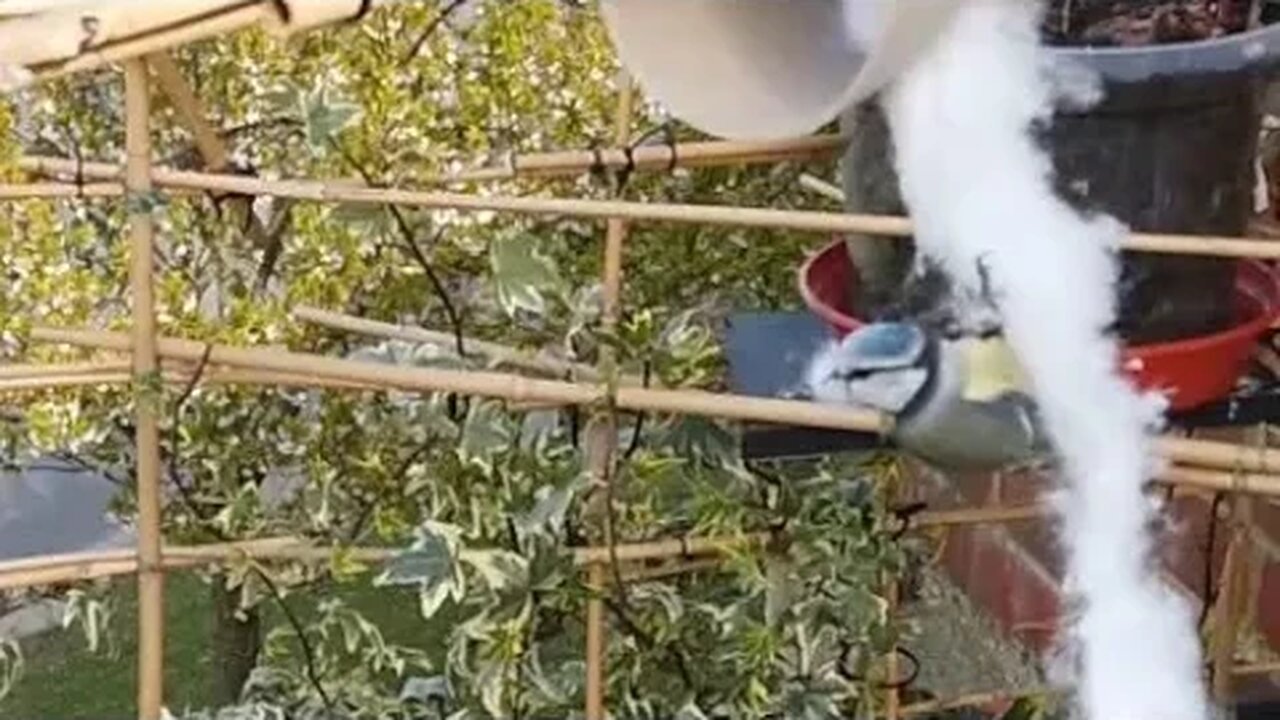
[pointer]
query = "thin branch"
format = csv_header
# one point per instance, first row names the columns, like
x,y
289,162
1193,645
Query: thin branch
x,y
410,243
367,511
1210,589
86,466
175,438
430,30
308,652
638,430
648,641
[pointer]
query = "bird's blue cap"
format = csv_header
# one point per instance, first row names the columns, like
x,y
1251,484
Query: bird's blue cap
x,y
884,346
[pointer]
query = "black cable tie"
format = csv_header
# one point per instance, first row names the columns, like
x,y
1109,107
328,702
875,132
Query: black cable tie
x,y
91,25
905,514
907,681
365,7
624,175
283,10
669,134
685,552
80,179
598,167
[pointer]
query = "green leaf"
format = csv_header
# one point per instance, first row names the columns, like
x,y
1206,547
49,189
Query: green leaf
x,y
430,562
12,664
552,507
485,433
522,276
803,703
325,118
692,436
691,711
1026,708
778,589
500,569
425,689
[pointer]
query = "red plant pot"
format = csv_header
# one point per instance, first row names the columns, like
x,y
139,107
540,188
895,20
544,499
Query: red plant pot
x,y
1191,372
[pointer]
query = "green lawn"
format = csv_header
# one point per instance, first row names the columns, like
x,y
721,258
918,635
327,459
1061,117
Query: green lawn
x,y
64,681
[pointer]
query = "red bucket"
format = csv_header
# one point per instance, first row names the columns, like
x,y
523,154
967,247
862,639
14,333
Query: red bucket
x,y
1190,372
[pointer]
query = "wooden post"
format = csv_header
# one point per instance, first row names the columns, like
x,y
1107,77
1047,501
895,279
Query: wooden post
x,y
892,598
893,698
1232,598
145,367
603,431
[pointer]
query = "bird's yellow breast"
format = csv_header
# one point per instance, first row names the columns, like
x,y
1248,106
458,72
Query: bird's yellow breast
x,y
991,369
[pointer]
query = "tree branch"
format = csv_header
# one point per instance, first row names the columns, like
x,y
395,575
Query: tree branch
x,y
308,652
430,30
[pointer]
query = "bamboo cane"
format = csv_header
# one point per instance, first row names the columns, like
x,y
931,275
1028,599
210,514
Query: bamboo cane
x,y
84,566
563,163
893,696
37,191
502,353
651,157
212,25
930,707
1218,481
75,567
1252,470
145,362
1260,668
800,220
37,370
668,549
1231,599
689,567
1204,454
498,385
602,431
1215,454
52,380
980,516
823,222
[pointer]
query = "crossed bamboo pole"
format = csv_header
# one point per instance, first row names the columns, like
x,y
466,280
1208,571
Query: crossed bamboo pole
x,y
557,164
346,192
1203,464
146,360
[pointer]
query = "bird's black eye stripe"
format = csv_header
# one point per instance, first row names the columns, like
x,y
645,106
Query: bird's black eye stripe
x,y
852,374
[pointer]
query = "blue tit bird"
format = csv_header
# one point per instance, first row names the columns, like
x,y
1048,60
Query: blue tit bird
x,y
959,400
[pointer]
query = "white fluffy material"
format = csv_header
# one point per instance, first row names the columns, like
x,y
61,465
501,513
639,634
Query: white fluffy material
x,y
979,187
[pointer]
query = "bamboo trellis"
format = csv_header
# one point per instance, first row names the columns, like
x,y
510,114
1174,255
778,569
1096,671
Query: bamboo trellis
x,y
1197,465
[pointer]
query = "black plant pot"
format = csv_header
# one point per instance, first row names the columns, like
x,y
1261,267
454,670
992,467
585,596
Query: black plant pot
x,y
1170,148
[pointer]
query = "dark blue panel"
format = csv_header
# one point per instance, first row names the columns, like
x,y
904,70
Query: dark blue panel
x,y
767,354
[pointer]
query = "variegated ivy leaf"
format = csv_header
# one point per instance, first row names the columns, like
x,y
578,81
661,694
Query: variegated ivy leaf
x,y
486,432
551,509
522,276
693,436
691,711
431,563
324,117
807,703
500,569
12,663
425,689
